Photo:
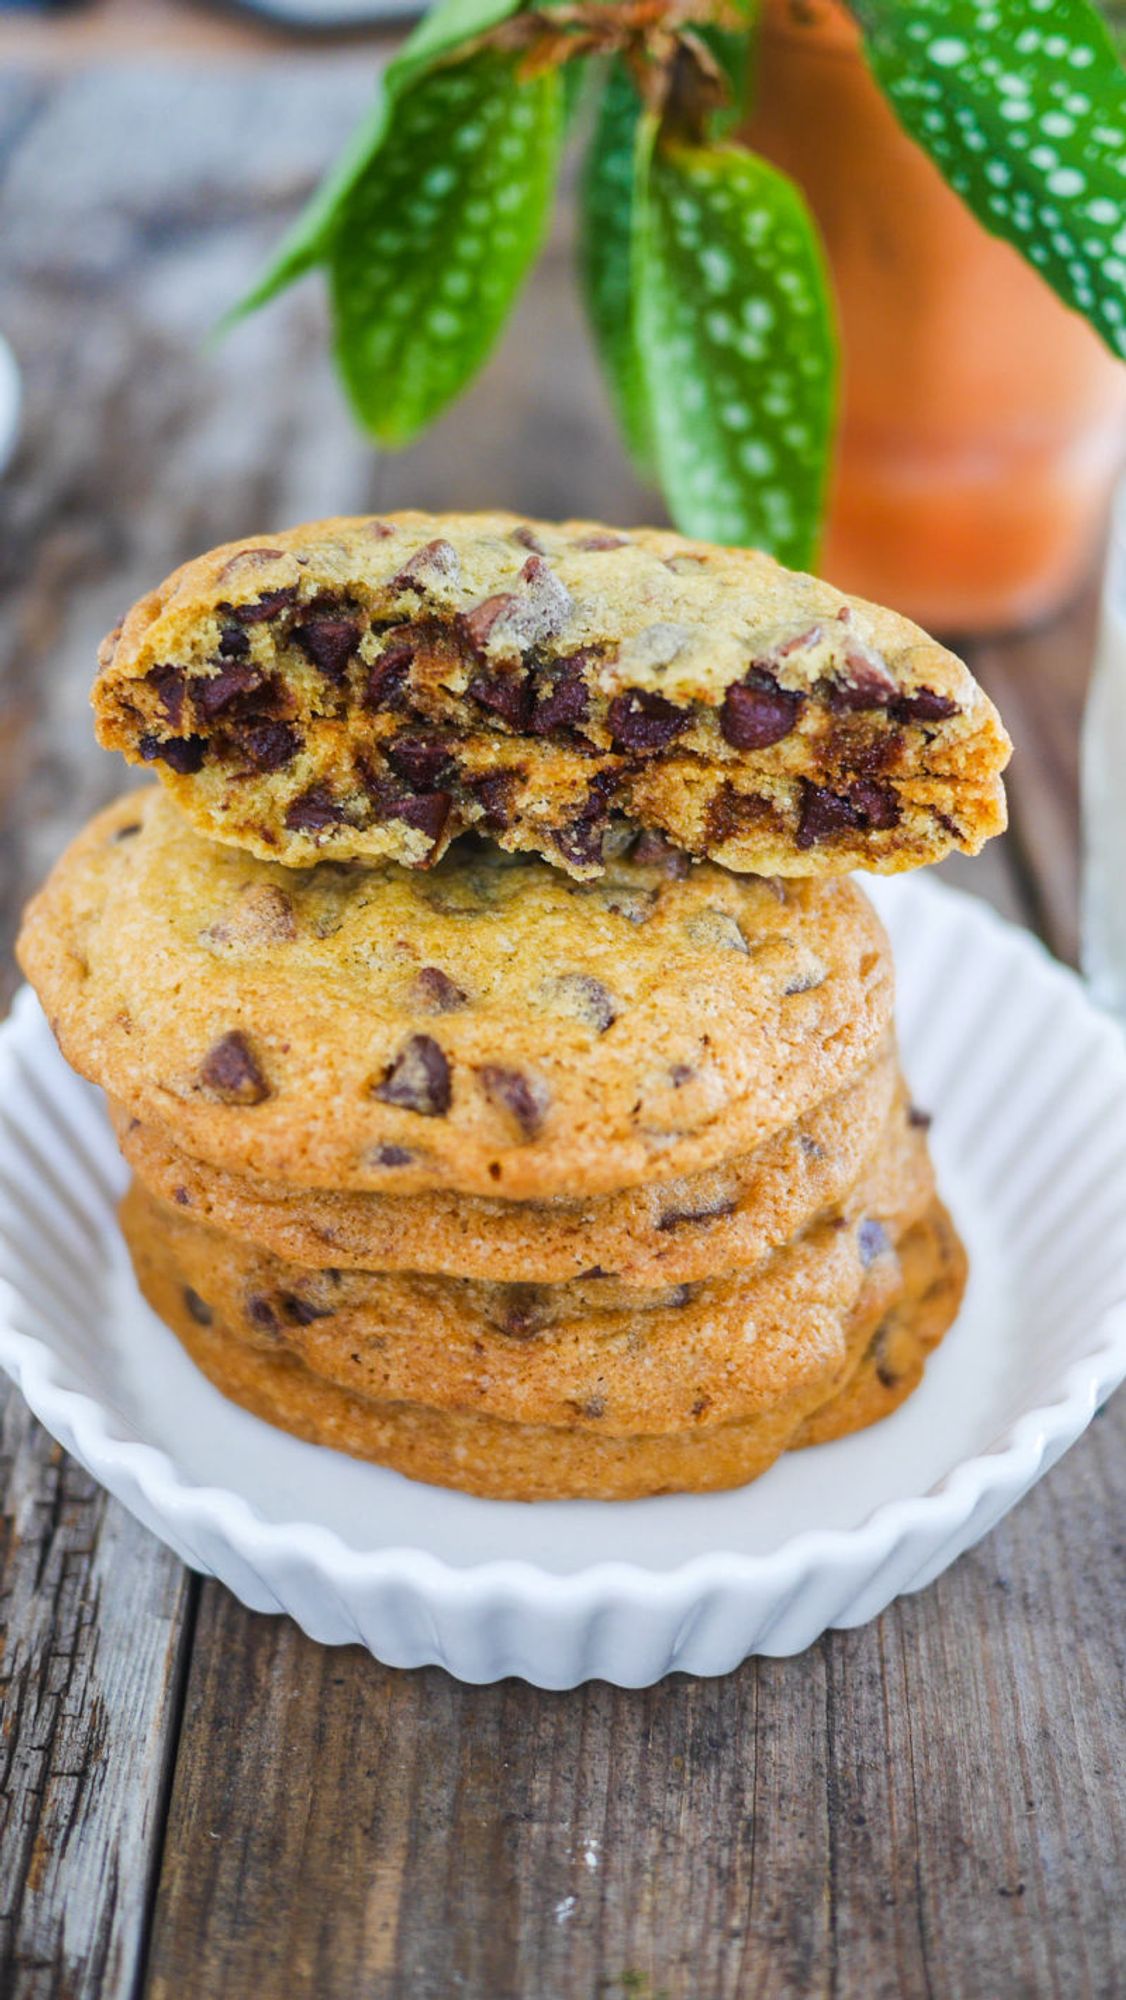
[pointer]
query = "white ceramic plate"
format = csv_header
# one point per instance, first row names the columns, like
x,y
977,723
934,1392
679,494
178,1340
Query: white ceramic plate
x,y
1029,1088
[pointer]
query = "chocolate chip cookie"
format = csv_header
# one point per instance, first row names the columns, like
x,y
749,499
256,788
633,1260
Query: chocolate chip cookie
x,y
491,1026
371,687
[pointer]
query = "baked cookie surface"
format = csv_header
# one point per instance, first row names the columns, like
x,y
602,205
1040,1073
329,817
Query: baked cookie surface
x,y
371,687
483,1454
590,1352
490,1026
726,1218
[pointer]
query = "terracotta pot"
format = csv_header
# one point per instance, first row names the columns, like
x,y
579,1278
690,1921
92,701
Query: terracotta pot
x,y
982,423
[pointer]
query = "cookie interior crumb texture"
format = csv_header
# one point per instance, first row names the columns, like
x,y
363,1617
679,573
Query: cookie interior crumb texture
x,y
369,688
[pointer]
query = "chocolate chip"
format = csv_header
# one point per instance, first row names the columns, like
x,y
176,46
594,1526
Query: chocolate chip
x,y
758,712
525,1312
810,1148
580,842
513,620
327,638
434,992
527,540
679,1218
564,699
435,562
168,685
877,805
809,974
266,606
865,683
314,809
301,1312
267,746
388,676
381,531
418,1079
822,814
715,930
583,998
260,1312
127,832
701,1406
183,754
230,688
231,1072
730,812
427,811
920,1119
181,1197
256,558
525,1098
494,795
391,1156
635,905
198,1308
595,1406
925,705
597,542
423,762
885,1373
509,695
652,850
872,1240
645,723
234,643
680,1074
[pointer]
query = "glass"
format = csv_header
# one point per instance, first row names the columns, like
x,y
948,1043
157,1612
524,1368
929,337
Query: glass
x,y
1103,782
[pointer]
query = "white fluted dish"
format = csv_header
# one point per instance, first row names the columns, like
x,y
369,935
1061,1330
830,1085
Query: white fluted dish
x,y
1028,1086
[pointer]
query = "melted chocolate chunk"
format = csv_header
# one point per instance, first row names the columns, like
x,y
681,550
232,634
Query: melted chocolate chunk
x,y
524,1098
266,606
168,683
730,812
494,794
388,677
652,850
825,813
228,690
328,637
872,1240
230,1071
925,705
313,810
267,746
422,762
564,700
509,695
198,1308
435,992
645,723
418,1079
581,841
234,643
183,754
758,712
428,811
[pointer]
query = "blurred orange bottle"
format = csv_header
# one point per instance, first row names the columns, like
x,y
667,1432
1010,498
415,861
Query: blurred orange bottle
x,y
982,423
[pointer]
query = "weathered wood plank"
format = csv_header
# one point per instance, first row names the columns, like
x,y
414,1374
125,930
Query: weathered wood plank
x,y
93,1618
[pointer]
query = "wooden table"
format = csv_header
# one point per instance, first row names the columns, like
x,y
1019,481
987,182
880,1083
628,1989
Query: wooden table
x,y
196,1801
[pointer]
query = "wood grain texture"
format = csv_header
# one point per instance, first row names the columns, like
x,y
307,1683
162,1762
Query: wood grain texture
x,y
933,1805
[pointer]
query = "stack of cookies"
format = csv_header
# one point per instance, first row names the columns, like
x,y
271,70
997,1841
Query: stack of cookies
x,y
503,1054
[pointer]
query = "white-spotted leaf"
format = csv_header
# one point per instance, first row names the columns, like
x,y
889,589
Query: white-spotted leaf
x,y
605,251
1022,105
435,238
736,330
440,31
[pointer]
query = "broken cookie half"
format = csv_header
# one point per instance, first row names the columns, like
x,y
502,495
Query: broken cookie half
x,y
373,687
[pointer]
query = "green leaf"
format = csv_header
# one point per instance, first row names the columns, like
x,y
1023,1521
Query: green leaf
x,y
1022,105
735,326
439,32
731,48
431,246
605,250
